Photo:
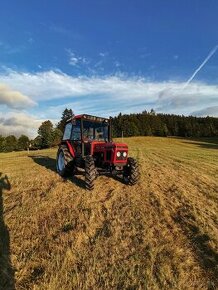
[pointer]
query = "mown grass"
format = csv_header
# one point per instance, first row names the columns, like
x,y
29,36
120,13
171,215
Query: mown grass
x,y
159,234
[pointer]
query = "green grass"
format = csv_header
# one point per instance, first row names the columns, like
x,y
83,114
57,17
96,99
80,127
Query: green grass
x,y
159,234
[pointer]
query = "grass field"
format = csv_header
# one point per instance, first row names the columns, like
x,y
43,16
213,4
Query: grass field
x,y
160,234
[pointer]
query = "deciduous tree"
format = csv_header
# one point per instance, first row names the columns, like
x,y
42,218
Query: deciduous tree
x,y
23,142
45,131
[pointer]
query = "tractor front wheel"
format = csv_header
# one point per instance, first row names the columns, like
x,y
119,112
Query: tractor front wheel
x,y
90,172
64,162
131,172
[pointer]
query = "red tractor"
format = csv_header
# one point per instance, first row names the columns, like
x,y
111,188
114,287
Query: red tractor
x,y
87,146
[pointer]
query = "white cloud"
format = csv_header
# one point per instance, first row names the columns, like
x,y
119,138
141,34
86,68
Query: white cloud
x,y
18,123
209,111
97,95
117,64
76,60
14,99
73,59
114,93
103,54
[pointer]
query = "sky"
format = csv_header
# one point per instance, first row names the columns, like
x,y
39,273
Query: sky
x,y
103,57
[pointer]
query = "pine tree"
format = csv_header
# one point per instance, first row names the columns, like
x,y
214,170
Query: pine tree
x,y
164,125
66,115
56,136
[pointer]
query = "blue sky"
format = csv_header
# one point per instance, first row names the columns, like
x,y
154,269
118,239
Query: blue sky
x,y
103,57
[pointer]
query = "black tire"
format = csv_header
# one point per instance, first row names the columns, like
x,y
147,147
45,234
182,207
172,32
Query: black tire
x,y
90,172
67,168
131,171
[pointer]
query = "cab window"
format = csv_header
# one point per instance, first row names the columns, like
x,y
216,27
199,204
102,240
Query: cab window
x,y
67,131
76,133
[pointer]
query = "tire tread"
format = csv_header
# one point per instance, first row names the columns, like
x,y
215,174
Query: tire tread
x,y
68,160
90,172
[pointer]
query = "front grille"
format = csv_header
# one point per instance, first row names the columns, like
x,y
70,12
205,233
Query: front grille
x,y
108,155
121,156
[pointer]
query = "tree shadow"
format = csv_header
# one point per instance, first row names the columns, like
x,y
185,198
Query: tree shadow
x,y
204,144
7,281
208,143
207,256
50,163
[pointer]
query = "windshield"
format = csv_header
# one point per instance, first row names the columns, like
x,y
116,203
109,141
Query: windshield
x,y
95,131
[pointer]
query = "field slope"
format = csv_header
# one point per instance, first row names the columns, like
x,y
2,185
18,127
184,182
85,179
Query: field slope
x,y
159,234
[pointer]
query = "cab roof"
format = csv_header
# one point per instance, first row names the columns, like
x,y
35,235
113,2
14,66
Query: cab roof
x,y
88,118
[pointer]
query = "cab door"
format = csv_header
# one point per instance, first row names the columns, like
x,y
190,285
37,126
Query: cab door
x,y
76,138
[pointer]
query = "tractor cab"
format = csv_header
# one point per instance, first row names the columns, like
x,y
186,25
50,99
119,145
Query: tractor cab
x,y
83,131
87,144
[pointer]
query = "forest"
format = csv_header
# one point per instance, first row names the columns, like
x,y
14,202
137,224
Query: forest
x,y
152,124
147,123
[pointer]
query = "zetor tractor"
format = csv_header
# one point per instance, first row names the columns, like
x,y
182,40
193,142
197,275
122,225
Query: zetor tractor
x,y
87,146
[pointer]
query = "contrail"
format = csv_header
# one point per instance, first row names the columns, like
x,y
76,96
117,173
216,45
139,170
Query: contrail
x,y
202,65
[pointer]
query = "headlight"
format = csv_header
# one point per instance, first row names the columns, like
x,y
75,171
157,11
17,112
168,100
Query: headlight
x,y
124,154
118,154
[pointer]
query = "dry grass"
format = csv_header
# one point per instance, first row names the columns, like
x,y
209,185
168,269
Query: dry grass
x,y
159,234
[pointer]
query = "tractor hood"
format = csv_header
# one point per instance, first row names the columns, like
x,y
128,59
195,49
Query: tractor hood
x,y
111,152
109,145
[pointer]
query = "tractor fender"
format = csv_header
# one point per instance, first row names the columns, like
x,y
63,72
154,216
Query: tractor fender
x,y
70,148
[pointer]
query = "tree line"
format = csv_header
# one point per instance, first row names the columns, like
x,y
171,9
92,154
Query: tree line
x,y
11,143
49,135
152,124
127,125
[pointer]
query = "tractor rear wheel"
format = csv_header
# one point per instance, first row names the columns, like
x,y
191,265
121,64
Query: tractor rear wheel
x,y
64,162
90,172
131,172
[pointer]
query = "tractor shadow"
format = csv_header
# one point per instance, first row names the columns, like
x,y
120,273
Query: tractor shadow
x,y
117,178
50,163
7,280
